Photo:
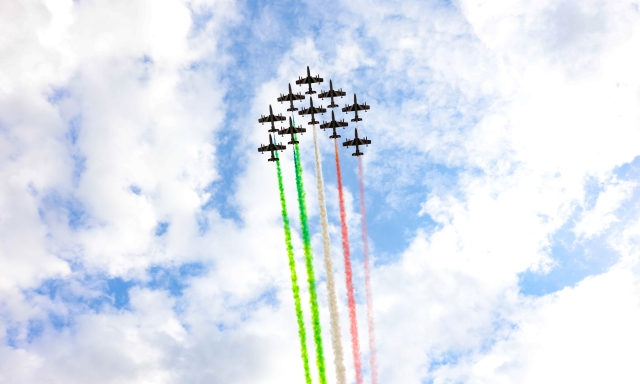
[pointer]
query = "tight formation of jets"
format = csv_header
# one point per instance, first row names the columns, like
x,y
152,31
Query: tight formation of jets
x,y
273,146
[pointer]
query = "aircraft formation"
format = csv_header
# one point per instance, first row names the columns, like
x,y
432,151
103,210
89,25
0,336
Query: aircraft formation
x,y
312,110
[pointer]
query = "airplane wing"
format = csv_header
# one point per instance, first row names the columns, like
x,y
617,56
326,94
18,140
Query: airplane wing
x,y
310,80
300,130
329,94
305,111
364,106
365,141
348,143
267,119
264,148
280,147
348,108
290,97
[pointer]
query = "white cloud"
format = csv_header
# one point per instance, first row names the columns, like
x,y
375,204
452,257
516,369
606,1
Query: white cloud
x,y
602,215
521,104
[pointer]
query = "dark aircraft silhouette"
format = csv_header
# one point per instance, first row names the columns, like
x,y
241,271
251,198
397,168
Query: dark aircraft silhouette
x,y
272,147
309,80
291,131
312,110
290,98
271,119
357,142
331,93
355,108
334,124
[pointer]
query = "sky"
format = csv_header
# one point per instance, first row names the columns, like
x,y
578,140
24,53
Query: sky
x,y
140,231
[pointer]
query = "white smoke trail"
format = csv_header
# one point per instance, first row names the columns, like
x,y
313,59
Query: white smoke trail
x,y
336,342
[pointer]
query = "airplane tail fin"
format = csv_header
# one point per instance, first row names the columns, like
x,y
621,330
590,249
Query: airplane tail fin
x,y
274,159
334,136
357,153
292,109
310,92
332,105
357,119
292,142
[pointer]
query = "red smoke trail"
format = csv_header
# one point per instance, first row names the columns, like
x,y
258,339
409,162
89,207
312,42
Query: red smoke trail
x,y
355,344
367,279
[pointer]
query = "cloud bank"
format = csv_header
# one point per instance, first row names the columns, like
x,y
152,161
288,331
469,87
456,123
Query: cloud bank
x,y
140,237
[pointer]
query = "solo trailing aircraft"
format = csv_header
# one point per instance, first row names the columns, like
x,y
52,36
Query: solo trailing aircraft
x,y
292,131
312,111
355,108
334,124
271,119
309,80
331,93
357,142
272,147
291,97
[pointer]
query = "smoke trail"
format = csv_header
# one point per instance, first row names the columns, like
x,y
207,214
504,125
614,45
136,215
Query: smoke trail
x,y
367,278
338,358
302,333
355,344
308,256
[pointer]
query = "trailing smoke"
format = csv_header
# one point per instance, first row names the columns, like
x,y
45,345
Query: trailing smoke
x,y
367,278
328,264
302,332
351,300
308,256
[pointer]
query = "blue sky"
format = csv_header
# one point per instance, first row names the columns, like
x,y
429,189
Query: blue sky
x,y
141,237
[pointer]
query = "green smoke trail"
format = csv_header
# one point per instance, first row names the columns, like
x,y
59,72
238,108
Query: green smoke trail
x,y
302,332
308,257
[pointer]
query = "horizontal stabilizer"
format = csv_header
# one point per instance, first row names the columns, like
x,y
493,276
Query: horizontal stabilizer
x,y
334,136
292,109
332,105
357,119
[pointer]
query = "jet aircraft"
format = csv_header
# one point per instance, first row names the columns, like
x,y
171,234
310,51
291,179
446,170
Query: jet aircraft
x,y
272,147
357,142
334,124
271,119
331,93
309,80
355,108
292,131
290,97
312,110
